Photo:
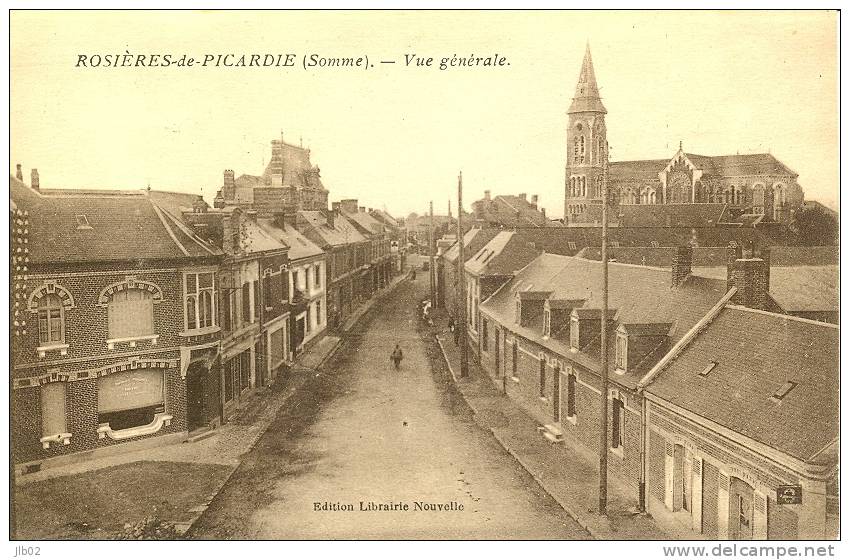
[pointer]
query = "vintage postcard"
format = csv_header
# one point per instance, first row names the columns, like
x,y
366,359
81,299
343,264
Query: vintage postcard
x,y
425,275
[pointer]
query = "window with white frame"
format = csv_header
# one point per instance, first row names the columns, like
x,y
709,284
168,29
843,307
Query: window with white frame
x,y
317,270
130,314
200,300
51,320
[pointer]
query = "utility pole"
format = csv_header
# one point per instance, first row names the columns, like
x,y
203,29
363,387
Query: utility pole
x,y
431,256
603,408
461,274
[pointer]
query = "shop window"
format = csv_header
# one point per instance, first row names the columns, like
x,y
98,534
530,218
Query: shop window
x,y
130,399
130,314
51,320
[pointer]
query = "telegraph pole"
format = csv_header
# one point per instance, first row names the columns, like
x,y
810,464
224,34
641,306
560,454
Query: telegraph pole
x,y
603,425
461,274
431,256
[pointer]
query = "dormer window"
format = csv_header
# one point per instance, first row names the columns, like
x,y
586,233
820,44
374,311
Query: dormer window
x,y
83,222
572,245
622,352
783,391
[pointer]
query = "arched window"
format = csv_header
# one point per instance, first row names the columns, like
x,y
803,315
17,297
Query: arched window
x,y
575,150
581,149
51,320
130,314
652,196
584,186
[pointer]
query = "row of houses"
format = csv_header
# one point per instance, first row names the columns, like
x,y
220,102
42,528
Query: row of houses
x,y
139,317
723,396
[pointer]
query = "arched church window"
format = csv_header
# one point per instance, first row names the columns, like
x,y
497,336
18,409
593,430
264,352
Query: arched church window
x,y
575,150
581,149
758,199
652,196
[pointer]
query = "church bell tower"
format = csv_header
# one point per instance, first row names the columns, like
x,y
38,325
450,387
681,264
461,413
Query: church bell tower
x,y
586,141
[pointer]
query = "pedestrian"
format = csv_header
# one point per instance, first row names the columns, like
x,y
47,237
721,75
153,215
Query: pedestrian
x,y
451,323
396,356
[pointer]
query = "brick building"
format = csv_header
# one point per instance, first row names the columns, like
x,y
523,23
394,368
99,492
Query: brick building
x,y
473,241
755,187
347,257
113,300
540,342
289,182
307,289
508,211
733,421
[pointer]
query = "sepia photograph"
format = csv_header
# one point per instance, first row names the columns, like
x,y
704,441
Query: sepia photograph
x,y
425,275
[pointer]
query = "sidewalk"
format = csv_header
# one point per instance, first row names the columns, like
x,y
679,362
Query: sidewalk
x,y
190,474
566,472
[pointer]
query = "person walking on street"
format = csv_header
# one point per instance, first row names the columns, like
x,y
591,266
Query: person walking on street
x,y
396,356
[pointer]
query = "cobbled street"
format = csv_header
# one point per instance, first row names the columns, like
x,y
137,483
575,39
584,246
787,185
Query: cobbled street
x,y
360,431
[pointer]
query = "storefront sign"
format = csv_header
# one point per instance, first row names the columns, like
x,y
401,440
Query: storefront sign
x,y
130,389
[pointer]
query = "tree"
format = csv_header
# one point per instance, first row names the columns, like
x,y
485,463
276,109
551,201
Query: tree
x,y
814,225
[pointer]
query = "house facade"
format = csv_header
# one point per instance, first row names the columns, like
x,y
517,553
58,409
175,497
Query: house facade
x,y
701,468
113,300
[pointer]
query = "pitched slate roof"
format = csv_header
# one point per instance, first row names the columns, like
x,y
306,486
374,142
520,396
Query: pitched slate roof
x,y
473,241
796,288
364,222
667,215
638,295
756,354
318,230
503,255
509,211
68,226
384,217
737,165
299,246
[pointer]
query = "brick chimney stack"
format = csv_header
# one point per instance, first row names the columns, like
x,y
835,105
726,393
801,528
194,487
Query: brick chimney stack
x,y
681,267
231,225
534,200
18,173
487,195
522,196
733,253
34,180
751,276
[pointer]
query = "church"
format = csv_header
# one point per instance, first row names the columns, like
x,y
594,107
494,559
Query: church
x,y
745,189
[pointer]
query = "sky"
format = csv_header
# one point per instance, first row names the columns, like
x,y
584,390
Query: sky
x,y
396,136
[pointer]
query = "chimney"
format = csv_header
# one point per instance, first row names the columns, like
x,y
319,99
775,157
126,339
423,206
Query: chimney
x,y
733,253
18,173
362,209
751,277
348,205
522,196
764,254
231,231
229,181
681,268
487,195
330,215
534,200
543,211
34,179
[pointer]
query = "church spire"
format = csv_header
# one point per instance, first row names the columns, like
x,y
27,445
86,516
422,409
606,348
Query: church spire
x,y
587,92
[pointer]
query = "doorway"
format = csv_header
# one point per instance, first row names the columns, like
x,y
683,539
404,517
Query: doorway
x,y
195,417
740,510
